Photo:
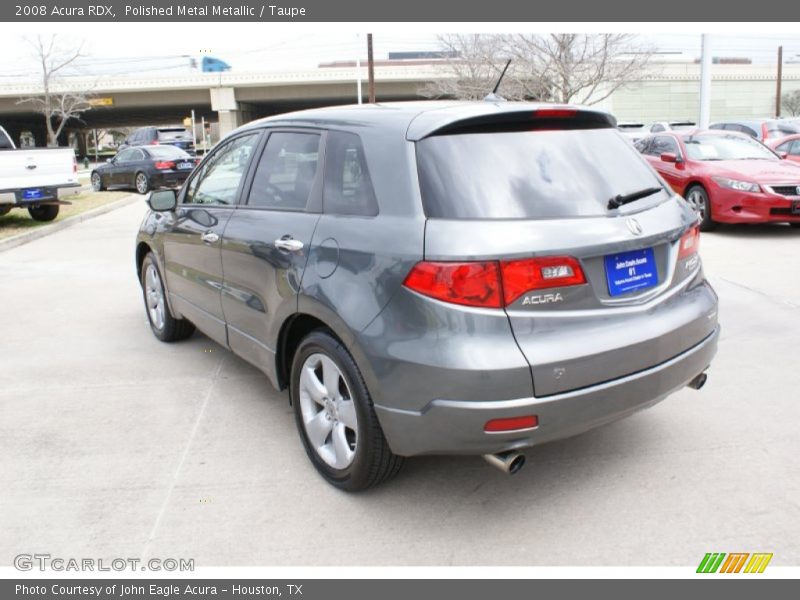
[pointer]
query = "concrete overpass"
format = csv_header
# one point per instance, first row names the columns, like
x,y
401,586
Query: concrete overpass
x,y
229,99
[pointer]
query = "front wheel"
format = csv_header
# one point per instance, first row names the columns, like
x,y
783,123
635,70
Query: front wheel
x,y
97,182
165,327
45,212
335,417
141,183
697,197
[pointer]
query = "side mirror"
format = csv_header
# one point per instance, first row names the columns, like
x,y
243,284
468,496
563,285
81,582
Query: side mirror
x,y
670,157
162,200
783,155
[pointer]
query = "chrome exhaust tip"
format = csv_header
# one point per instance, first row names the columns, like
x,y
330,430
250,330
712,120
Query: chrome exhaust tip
x,y
508,462
698,381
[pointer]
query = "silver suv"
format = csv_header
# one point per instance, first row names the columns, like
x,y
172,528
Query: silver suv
x,y
435,278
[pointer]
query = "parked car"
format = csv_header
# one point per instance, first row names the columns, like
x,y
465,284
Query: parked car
x,y
144,168
435,278
727,177
632,130
787,147
760,129
37,179
661,126
179,137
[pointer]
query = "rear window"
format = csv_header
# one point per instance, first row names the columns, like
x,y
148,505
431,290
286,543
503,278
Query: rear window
x,y
166,152
529,174
172,134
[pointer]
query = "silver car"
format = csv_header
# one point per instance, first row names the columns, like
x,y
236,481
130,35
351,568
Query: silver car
x,y
435,278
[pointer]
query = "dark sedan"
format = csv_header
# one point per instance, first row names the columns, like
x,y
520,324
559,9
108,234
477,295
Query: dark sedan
x,y
144,168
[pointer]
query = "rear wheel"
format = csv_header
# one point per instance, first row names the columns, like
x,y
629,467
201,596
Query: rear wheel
x,y
141,183
335,417
697,197
4,210
165,327
45,212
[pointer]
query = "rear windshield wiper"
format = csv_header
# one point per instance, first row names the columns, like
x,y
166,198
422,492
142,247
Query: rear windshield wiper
x,y
621,199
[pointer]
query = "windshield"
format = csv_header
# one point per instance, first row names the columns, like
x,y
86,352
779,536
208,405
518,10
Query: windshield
x,y
529,174
726,147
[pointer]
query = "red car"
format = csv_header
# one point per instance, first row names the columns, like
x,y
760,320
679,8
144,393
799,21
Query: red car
x,y
788,146
727,177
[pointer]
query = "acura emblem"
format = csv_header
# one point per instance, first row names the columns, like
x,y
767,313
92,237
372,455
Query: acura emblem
x,y
634,226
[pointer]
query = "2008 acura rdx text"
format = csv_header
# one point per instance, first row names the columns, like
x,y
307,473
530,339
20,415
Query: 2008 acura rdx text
x,y
435,278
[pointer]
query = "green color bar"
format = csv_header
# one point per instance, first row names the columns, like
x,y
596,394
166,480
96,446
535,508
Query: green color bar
x,y
711,562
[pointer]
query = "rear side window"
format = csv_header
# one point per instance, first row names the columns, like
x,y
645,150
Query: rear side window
x,y
529,174
286,172
348,187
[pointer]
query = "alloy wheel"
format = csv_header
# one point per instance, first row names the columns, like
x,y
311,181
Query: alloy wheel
x,y
697,201
154,293
328,411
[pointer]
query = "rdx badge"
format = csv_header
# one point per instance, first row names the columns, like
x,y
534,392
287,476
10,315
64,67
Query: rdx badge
x,y
542,299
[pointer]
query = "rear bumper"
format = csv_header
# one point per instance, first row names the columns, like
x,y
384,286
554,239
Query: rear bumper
x,y
731,206
49,195
170,179
457,427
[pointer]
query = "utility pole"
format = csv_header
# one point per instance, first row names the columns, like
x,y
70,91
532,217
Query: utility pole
x,y
780,81
705,82
358,68
370,69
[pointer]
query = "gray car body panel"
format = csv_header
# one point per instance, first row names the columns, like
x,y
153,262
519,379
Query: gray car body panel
x,y
438,371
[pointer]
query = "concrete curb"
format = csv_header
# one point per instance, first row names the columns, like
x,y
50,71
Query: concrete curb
x,y
35,234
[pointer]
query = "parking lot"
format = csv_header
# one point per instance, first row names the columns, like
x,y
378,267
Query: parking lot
x,y
114,444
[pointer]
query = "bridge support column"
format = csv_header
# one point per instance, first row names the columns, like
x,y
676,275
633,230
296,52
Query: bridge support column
x,y
223,100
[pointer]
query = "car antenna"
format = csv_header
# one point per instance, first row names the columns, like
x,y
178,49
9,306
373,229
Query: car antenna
x,y
493,96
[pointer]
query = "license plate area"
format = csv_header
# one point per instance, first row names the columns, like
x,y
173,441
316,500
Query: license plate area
x,y
631,271
185,165
32,194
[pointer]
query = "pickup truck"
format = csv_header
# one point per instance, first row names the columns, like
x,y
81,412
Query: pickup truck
x,y
36,178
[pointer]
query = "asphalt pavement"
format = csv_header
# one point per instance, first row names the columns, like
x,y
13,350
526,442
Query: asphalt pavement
x,y
113,444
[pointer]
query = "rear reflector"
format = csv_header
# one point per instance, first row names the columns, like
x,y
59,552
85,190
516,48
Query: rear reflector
x,y
492,284
511,424
690,243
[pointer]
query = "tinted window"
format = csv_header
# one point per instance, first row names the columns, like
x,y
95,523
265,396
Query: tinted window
x,y
795,151
348,187
172,134
725,147
126,155
5,141
642,145
528,174
286,171
217,180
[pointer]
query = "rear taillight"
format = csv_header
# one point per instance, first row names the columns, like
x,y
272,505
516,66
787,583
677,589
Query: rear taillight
x,y
492,284
467,283
690,243
520,276
154,143
164,164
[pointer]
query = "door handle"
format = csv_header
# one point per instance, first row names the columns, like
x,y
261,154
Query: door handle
x,y
288,244
209,237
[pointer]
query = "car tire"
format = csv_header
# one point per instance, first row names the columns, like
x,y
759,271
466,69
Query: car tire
x,y
4,210
165,327
44,212
141,183
97,182
697,197
339,429
793,225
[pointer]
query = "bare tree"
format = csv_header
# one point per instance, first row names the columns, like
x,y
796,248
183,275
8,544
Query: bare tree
x,y
791,102
475,64
58,107
576,68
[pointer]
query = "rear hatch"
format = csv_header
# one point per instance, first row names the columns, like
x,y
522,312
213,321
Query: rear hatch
x,y
596,285
176,136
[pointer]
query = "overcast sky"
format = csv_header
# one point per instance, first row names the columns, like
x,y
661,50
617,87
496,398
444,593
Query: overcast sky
x,y
163,48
